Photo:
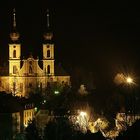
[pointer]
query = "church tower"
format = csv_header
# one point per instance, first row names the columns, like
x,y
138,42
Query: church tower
x,y
14,49
48,50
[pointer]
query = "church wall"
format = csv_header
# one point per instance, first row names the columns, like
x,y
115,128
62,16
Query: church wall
x,y
15,47
63,79
47,47
31,68
24,85
4,83
30,77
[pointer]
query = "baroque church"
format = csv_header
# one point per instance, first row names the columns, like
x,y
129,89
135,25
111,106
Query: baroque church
x,y
25,76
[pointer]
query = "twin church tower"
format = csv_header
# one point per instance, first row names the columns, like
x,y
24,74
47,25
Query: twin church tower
x,y
26,76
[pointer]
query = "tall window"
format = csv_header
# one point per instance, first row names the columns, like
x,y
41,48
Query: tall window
x,y
48,53
14,53
48,69
14,69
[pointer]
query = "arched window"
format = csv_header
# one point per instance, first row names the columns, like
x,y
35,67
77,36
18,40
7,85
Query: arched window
x,y
14,53
48,53
48,69
14,69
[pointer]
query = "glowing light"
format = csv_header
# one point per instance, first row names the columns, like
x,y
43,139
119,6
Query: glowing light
x,y
83,114
82,120
129,80
25,125
56,92
44,101
35,109
121,78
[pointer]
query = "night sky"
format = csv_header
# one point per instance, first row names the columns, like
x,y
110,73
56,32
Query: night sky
x,y
102,36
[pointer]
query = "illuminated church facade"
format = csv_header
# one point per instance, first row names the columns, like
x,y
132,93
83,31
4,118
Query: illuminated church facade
x,y
26,76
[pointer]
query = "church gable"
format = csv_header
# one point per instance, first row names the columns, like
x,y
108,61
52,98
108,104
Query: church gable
x,y
30,68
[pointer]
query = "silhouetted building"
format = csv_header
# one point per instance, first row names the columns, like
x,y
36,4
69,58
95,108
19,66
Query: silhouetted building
x,y
14,117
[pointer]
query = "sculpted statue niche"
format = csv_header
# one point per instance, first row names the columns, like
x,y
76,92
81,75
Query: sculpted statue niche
x,y
30,67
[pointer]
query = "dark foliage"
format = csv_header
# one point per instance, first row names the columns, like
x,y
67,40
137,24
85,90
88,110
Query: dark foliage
x,y
61,129
132,133
32,132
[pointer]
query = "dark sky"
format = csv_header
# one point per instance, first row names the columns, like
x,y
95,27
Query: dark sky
x,y
100,35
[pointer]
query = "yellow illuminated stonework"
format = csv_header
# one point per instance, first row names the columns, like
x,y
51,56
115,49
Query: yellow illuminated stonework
x,y
28,115
25,76
30,77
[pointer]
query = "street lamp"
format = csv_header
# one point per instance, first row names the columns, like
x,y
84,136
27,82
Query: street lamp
x,y
127,83
129,80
